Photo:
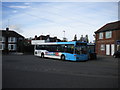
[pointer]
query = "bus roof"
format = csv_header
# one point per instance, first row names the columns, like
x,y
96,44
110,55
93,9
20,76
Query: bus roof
x,y
90,43
56,43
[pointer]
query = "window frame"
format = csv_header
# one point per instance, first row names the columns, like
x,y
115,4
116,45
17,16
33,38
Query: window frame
x,y
101,35
12,39
2,39
3,46
108,34
102,47
14,47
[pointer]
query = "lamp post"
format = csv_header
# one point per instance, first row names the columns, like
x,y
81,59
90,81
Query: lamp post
x,y
64,39
64,33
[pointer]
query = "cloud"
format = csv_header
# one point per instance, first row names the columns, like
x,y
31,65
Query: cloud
x,y
22,7
75,18
26,3
15,11
61,1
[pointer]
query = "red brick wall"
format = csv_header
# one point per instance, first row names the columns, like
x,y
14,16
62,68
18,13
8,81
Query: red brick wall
x,y
115,36
118,34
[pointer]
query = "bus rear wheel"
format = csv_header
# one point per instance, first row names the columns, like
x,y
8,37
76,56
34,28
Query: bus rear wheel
x,y
42,55
62,57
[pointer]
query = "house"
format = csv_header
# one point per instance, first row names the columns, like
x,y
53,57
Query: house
x,y
107,38
47,38
11,41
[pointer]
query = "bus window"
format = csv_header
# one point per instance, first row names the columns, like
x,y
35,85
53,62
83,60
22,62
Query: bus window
x,y
81,50
69,48
91,48
52,48
61,48
39,47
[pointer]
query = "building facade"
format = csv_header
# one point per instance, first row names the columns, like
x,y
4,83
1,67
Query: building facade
x,y
10,41
47,38
107,39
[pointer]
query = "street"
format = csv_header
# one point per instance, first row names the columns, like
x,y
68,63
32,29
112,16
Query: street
x,y
29,71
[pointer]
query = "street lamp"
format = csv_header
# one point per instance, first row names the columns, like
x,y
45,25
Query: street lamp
x,y
64,33
64,39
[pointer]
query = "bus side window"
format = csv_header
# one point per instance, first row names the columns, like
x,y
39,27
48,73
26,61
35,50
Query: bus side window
x,y
60,48
42,47
69,48
38,47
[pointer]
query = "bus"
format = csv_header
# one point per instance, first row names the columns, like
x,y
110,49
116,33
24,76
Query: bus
x,y
91,51
74,50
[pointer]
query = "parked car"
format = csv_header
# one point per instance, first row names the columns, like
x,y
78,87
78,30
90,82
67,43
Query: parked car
x,y
117,54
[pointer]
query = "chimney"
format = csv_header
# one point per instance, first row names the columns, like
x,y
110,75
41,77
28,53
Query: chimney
x,y
35,37
48,36
7,29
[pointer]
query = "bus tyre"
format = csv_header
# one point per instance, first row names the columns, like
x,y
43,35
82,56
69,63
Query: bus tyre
x,y
62,57
42,55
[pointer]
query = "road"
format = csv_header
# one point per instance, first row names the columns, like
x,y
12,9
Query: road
x,y
29,71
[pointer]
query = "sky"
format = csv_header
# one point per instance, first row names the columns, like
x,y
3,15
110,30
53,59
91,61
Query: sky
x,y
43,18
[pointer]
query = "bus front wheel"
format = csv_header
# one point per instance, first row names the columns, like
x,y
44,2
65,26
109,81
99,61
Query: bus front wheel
x,y
62,57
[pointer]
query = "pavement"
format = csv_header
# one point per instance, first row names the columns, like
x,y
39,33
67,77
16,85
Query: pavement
x,y
29,71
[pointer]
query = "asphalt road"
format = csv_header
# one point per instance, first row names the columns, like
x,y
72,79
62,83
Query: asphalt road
x,y
28,71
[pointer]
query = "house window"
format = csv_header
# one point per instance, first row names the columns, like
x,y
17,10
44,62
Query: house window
x,y
2,39
108,34
100,35
102,47
20,38
2,46
11,39
12,46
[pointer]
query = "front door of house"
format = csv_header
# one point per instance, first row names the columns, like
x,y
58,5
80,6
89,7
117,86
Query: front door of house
x,y
107,49
112,49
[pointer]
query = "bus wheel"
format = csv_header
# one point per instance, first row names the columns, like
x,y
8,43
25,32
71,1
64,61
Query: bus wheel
x,y
42,55
62,57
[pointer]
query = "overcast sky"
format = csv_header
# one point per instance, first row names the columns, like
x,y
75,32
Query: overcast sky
x,y
36,18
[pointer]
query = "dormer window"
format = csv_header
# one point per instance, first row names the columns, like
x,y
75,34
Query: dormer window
x,y
101,35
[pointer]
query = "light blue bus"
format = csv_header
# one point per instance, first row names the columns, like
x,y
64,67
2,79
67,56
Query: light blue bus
x,y
74,50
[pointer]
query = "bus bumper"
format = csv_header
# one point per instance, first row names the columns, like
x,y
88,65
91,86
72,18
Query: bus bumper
x,y
81,57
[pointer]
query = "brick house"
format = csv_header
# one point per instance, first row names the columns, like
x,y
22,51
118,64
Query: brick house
x,y
11,41
107,38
